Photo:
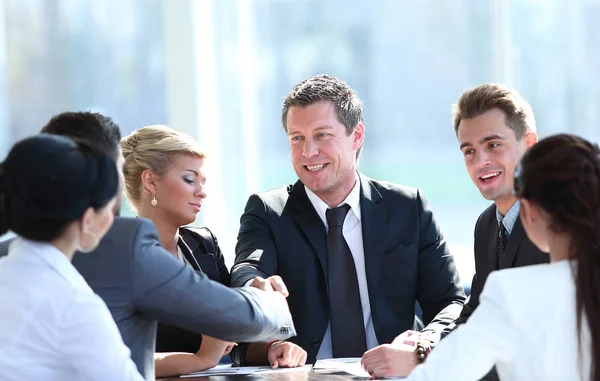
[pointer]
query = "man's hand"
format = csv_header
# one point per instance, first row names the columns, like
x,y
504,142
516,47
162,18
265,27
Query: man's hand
x,y
407,337
272,283
228,348
390,360
286,354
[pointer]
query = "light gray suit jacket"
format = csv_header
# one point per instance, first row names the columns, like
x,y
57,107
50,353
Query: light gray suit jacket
x,y
141,283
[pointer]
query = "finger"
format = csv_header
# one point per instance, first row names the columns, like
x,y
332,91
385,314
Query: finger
x,y
286,356
302,361
373,353
261,284
371,364
410,342
295,358
278,285
404,335
272,357
379,370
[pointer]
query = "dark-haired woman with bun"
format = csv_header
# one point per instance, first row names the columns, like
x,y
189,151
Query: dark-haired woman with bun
x,y
58,197
541,322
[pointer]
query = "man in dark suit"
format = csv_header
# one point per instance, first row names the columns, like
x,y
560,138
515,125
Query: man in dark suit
x,y
494,126
355,254
141,283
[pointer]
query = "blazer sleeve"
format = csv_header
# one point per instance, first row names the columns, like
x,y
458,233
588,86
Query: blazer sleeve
x,y
255,251
473,301
476,288
173,293
440,295
488,338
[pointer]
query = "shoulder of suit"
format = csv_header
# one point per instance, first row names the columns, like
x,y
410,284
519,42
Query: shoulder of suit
x,y
489,214
132,227
281,192
386,188
274,199
128,221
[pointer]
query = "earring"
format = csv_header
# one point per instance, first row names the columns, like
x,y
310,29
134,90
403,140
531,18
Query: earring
x,y
154,200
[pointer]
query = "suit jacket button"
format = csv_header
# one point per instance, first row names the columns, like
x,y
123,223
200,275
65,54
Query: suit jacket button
x,y
285,330
315,342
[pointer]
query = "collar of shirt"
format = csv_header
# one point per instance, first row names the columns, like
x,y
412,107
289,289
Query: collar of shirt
x,y
353,199
510,218
53,257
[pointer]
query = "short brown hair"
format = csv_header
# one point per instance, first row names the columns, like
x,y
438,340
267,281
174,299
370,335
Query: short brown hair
x,y
326,88
489,96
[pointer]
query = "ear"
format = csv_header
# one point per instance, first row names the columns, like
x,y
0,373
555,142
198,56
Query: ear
x,y
530,211
86,219
149,180
359,136
530,139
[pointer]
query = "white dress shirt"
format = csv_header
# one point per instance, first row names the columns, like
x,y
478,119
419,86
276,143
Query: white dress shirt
x,y
352,232
53,326
525,325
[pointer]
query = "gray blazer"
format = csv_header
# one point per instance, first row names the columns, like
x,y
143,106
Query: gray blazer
x,y
141,284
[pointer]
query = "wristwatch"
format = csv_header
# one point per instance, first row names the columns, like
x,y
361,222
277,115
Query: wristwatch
x,y
422,351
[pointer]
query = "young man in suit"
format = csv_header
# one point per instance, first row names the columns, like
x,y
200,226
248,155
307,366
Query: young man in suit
x,y
355,254
141,283
494,126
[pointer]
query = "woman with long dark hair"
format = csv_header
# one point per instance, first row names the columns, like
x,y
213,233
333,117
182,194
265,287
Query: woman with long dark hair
x,y
538,322
58,196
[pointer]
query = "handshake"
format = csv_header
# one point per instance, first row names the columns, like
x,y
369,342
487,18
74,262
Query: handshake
x,y
272,283
280,353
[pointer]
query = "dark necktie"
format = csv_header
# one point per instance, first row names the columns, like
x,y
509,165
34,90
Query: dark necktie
x,y
501,243
347,325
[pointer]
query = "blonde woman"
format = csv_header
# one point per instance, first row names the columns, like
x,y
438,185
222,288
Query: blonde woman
x,y
164,181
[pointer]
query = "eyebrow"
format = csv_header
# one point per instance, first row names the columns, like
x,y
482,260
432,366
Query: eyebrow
x,y
325,127
484,140
191,170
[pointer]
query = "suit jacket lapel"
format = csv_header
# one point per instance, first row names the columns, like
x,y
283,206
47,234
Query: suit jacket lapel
x,y
515,240
373,219
188,249
492,244
309,222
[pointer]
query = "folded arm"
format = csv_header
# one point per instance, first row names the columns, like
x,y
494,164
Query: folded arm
x,y
178,363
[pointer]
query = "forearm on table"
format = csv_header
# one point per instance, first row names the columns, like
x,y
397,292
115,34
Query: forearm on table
x,y
177,363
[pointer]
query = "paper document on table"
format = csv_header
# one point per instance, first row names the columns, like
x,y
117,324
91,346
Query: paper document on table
x,y
349,365
223,370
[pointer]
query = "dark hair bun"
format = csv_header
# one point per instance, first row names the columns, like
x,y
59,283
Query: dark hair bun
x,y
49,181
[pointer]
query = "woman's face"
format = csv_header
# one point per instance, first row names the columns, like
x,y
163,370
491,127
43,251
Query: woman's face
x,y
180,190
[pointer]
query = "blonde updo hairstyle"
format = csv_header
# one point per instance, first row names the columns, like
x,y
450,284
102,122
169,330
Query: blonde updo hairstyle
x,y
152,148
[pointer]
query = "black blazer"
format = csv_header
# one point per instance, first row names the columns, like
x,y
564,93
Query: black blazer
x,y
520,251
201,250
406,259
